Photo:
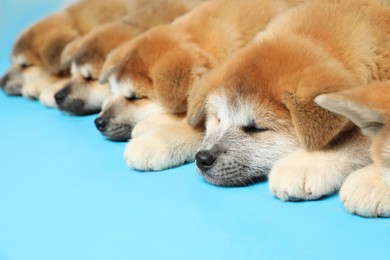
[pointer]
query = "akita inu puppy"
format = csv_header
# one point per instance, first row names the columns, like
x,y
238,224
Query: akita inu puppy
x,y
163,63
84,94
37,50
366,192
261,114
119,113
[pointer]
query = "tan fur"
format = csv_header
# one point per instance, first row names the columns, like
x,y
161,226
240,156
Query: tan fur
x,y
310,50
367,191
163,64
41,44
94,47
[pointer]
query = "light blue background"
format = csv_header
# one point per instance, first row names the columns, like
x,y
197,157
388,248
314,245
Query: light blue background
x,y
66,193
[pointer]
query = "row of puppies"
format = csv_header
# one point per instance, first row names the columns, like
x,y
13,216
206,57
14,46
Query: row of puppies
x,y
258,98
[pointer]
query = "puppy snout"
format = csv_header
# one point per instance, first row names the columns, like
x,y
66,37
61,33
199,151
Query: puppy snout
x,y
4,79
101,123
60,96
205,160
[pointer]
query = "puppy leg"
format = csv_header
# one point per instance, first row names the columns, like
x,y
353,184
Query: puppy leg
x,y
32,89
154,122
365,193
305,175
164,147
47,95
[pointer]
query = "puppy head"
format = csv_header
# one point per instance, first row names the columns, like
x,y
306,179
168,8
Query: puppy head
x,y
244,138
83,94
96,45
369,108
161,66
37,52
259,108
120,114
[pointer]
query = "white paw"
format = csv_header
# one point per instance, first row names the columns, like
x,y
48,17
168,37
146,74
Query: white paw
x,y
151,152
154,122
365,193
47,98
305,175
142,128
32,90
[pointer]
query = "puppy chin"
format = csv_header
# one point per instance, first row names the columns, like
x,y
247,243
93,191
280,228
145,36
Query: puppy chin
x,y
13,90
75,107
238,178
121,133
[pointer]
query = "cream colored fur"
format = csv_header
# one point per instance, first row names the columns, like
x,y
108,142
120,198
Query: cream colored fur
x,y
305,175
366,192
47,95
162,142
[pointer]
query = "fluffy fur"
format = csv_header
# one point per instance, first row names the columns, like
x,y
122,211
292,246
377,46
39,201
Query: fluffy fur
x,y
312,49
163,142
37,51
163,64
366,192
94,47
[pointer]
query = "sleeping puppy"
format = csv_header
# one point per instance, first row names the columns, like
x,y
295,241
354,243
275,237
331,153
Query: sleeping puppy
x,y
174,56
261,116
366,192
164,63
36,52
168,59
84,94
119,113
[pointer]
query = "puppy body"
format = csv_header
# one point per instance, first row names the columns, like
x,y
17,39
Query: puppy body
x,y
366,192
262,99
164,64
95,46
38,49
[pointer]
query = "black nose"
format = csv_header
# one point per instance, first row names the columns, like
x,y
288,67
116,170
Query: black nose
x,y
4,80
204,160
100,123
60,96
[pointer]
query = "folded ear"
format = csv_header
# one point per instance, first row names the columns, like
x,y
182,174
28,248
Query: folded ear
x,y
106,74
69,52
315,126
350,104
51,49
173,77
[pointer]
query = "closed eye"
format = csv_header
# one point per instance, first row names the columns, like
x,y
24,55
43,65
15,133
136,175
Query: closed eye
x,y
25,65
134,98
253,129
89,78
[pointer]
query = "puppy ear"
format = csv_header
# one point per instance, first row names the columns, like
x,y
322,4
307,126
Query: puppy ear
x,y
173,77
106,74
351,104
69,52
315,126
52,48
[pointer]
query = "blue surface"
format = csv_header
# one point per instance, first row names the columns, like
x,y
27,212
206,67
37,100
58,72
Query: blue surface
x,y
66,193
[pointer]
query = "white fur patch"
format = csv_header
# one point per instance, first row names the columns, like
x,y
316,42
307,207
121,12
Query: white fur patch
x,y
19,59
121,88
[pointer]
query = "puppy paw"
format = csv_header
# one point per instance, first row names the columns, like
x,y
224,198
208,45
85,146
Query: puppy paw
x,y
32,90
143,127
47,98
155,122
365,193
155,151
305,175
